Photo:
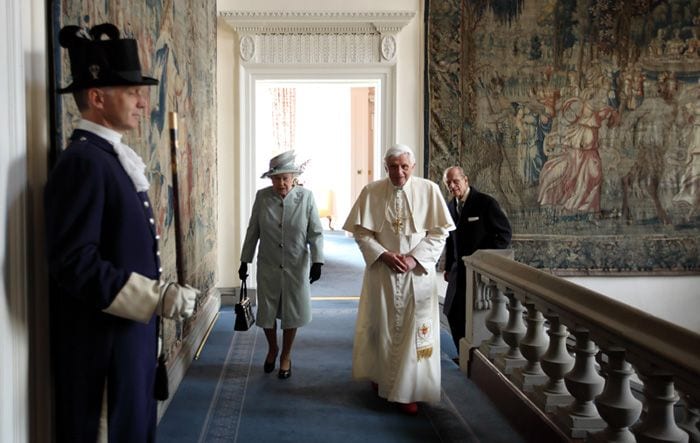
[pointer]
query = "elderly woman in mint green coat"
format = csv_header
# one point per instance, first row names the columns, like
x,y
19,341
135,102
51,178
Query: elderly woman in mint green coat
x,y
285,222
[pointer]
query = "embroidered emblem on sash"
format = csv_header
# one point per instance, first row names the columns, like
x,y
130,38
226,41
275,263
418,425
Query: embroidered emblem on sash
x,y
424,338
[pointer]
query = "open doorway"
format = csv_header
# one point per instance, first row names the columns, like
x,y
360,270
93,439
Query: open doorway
x,y
334,128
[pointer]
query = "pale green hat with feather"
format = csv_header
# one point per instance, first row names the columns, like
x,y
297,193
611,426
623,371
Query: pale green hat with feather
x,y
283,163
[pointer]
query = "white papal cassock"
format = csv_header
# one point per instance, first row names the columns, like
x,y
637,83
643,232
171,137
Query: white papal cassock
x,y
397,333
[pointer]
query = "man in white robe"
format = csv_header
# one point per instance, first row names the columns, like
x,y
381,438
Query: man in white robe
x,y
400,224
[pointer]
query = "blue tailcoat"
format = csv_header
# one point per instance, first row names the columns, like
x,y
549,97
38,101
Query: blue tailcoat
x,y
99,230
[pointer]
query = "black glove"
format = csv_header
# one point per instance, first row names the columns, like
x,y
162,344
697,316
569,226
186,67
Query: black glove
x,y
315,272
243,271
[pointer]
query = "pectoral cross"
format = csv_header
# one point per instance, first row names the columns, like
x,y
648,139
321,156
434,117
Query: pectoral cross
x,y
398,224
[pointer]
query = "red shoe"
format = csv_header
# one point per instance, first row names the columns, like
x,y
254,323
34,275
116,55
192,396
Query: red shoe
x,y
409,408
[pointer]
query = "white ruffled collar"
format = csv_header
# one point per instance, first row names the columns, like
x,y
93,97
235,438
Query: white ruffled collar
x,y
129,159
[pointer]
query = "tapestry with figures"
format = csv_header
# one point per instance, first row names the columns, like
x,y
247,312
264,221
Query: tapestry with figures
x,y
582,119
177,46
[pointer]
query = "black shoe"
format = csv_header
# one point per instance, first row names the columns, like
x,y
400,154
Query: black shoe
x,y
285,373
269,367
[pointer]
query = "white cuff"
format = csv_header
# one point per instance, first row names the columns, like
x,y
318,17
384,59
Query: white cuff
x,y
137,300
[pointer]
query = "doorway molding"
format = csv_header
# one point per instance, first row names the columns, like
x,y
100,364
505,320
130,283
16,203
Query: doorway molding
x,y
317,37
323,46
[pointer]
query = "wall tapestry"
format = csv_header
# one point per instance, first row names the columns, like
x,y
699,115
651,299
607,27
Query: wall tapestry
x,y
177,46
582,118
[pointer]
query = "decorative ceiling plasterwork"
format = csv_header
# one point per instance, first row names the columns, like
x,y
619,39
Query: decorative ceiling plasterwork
x,y
317,37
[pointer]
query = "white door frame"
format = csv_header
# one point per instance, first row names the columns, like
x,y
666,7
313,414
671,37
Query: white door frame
x,y
382,77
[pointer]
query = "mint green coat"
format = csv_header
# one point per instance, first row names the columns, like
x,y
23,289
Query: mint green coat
x,y
289,237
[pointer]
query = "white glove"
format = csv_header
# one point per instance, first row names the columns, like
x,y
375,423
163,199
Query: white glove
x,y
177,301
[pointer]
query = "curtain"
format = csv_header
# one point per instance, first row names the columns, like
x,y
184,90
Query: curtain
x,y
283,118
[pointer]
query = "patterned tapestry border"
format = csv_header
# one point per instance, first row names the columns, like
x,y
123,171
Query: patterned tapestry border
x,y
609,254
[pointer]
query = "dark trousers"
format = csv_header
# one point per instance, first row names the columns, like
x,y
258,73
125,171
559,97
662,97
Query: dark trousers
x,y
457,320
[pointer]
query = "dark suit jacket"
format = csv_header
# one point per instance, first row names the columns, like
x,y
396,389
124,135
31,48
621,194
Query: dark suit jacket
x,y
99,229
481,225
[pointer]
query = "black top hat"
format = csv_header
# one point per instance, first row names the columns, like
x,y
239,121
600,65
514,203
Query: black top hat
x,y
96,62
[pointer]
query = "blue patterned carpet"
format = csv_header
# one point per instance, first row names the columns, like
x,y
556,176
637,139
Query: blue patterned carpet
x,y
226,396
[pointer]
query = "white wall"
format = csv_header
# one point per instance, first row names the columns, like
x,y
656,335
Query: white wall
x,y
409,110
228,156
24,409
37,126
14,333
676,299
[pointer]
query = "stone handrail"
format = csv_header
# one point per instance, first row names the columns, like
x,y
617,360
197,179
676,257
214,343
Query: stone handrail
x,y
664,355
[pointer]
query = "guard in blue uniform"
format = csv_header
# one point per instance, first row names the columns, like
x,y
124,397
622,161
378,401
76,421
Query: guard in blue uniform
x,y
104,262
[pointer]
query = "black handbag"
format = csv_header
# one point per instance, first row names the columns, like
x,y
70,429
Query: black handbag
x,y
244,311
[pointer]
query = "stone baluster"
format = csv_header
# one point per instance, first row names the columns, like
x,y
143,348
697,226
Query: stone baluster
x,y
483,294
556,363
495,321
512,333
584,383
659,424
690,422
532,346
616,405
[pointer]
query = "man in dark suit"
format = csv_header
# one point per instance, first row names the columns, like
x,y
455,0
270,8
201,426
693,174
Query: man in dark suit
x,y
481,224
104,261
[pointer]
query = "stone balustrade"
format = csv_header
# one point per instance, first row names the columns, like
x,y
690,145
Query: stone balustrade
x,y
600,370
